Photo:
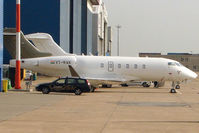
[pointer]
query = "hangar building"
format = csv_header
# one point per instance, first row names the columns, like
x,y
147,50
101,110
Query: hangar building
x,y
72,23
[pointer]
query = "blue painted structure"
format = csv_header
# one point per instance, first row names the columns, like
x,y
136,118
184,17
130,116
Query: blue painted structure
x,y
65,20
42,17
178,54
1,42
36,16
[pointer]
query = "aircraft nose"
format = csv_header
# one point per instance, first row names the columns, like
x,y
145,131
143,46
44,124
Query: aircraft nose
x,y
191,75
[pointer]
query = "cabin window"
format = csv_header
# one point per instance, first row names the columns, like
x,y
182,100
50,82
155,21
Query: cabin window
x,y
119,65
127,66
135,66
143,66
102,65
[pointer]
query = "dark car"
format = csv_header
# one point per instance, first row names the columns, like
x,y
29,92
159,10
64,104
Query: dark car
x,y
76,85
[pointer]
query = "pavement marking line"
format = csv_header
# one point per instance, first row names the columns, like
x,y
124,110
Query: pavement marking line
x,y
115,108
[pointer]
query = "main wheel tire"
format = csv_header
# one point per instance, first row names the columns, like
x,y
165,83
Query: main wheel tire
x,y
124,85
109,86
177,87
173,91
78,91
45,90
145,85
104,85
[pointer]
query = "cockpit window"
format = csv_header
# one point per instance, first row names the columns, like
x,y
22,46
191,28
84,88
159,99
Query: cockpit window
x,y
172,64
178,64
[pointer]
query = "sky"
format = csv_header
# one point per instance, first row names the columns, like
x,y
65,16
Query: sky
x,y
154,26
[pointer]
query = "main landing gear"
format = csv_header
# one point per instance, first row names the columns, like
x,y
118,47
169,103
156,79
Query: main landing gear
x,y
174,87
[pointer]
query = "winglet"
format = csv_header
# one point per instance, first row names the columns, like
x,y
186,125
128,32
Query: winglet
x,y
73,72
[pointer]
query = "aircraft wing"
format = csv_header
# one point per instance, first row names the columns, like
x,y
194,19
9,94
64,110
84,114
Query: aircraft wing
x,y
97,79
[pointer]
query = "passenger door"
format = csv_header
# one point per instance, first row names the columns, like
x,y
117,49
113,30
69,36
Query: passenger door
x,y
110,66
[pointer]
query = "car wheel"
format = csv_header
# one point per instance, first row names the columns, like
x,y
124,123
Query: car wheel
x,y
45,90
124,85
78,91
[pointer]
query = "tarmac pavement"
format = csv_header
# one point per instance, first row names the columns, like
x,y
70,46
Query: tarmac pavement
x,y
113,110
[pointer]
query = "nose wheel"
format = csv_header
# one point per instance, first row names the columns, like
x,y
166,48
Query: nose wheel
x,y
177,86
173,89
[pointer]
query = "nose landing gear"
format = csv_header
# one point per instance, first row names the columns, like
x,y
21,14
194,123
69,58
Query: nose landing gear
x,y
174,87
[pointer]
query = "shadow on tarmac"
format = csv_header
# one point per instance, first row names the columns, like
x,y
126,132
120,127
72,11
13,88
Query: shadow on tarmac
x,y
152,92
196,122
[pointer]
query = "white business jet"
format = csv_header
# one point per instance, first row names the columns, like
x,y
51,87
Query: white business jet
x,y
99,69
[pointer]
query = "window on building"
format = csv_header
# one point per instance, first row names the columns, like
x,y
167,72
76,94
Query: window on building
x,y
135,66
143,66
182,59
194,67
186,59
127,66
102,65
119,66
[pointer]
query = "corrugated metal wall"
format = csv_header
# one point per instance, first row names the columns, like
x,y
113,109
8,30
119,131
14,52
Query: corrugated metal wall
x,y
65,25
1,41
89,31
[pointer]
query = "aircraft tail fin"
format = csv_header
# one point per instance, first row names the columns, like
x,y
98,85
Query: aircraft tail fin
x,y
27,49
45,43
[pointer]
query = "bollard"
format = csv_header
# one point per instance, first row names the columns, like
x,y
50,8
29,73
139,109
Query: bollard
x,y
5,85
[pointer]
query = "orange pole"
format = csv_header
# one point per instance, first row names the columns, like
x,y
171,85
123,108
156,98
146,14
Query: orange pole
x,y
18,47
